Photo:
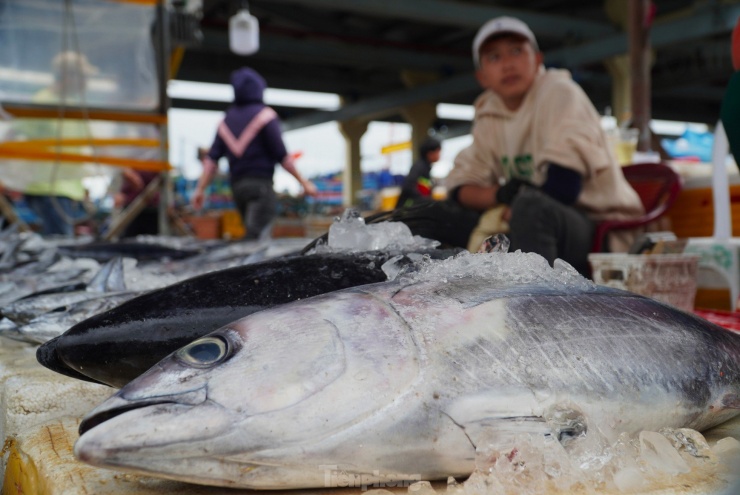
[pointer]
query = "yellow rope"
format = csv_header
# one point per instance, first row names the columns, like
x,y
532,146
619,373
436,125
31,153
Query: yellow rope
x,y
47,143
48,113
146,165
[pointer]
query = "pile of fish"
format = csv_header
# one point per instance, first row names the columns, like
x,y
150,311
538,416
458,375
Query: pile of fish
x,y
40,316
49,285
392,364
46,286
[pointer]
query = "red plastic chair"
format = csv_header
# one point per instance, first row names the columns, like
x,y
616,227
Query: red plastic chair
x,y
658,186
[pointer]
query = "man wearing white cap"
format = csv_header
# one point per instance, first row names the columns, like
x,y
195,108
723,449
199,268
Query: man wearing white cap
x,y
539,165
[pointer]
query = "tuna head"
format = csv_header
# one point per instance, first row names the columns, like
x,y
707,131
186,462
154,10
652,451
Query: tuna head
x,y
263,402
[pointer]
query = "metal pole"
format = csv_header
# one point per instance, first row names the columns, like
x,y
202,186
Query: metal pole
x,y
7,210
639,50
162,53
120,223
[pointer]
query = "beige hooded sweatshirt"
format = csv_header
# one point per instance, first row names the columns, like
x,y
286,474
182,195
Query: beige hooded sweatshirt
x,y
556,123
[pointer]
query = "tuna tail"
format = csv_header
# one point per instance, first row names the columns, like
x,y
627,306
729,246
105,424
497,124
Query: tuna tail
x,y
8,258
109,278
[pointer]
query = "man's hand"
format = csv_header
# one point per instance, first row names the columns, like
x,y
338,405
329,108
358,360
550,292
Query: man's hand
x,y
309,188
506,193
506,215
197,199
135,179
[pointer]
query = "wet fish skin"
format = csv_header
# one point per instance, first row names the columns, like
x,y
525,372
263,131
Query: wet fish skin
x,y
109,278
408,377
142,251
27,308
117,346
52,282
53,323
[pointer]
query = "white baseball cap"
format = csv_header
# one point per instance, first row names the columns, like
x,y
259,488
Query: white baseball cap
x,y
501,25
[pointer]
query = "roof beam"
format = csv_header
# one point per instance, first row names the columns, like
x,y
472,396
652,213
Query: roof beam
x,y
716,20
461,14
385,104
705,21
293,49
280,75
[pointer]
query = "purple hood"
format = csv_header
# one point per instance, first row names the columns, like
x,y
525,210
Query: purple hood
x,y
248,86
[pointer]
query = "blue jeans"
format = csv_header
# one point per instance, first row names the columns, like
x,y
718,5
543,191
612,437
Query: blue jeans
x,y
56,213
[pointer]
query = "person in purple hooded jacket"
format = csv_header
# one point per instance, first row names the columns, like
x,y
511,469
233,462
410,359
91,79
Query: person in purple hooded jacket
x,y
250,138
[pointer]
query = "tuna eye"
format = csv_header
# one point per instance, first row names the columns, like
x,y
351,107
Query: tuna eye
x,y
203,352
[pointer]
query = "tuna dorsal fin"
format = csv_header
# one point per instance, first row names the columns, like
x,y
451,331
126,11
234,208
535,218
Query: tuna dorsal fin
x,y
109,278
257,256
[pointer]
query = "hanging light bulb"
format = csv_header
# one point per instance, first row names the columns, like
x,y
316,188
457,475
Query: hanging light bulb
x,y
244,32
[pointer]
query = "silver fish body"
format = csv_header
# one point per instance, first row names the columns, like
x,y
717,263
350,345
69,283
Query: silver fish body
x,y
55,322
402,380
23,311
109,279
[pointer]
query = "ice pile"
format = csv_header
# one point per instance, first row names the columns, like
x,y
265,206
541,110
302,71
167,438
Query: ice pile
x,y
653,462
350,234
403,264
505,269
138,278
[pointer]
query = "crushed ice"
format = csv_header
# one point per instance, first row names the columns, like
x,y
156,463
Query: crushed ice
x,y
498,243
516,268
536,464
403,264
349,233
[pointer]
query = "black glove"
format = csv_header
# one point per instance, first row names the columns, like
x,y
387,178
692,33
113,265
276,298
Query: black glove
x,y
506,193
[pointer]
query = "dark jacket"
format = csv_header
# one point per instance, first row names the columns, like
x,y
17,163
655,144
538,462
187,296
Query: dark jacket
x,y
417,186
266,148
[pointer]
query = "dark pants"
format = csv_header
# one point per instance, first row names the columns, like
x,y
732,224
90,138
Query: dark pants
x,y
540,224
257,204
57,214
145,223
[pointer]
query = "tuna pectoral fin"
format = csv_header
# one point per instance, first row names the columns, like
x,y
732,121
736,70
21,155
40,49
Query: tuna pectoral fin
x,y
501,417
497,418
502,431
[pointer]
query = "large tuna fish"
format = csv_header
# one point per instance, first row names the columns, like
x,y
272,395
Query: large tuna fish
x,y
116,346
405,378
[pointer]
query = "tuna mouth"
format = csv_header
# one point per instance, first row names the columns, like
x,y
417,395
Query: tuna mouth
x,y
91,422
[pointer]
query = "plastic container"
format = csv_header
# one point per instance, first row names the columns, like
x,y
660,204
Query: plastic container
x,y
670,278
728,319
231,225
207,226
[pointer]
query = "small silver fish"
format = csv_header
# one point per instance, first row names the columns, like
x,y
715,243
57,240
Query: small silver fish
x,y
108,279
55,322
